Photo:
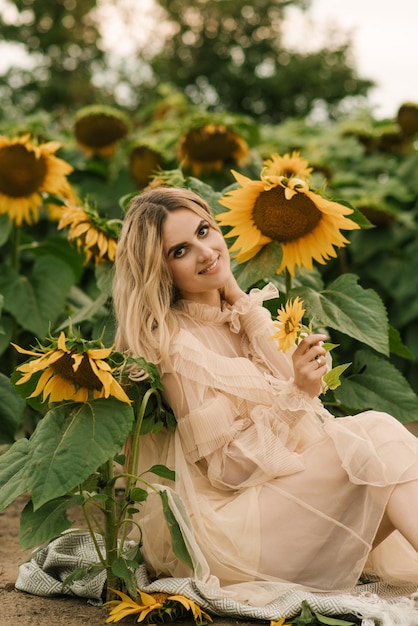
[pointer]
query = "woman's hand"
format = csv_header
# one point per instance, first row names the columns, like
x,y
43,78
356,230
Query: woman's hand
x,y
310,364
232,291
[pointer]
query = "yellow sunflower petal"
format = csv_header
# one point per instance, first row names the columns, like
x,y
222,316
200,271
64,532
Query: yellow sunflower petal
x,y
99,353
43,380
23,351
27,171
274,208
289,323
61,342
44,361
288,165
58,389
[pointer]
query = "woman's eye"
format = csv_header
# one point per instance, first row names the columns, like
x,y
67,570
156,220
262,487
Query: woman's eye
x,y
203,230
178,253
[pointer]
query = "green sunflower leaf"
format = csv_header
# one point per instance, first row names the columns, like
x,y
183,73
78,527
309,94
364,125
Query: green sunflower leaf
x,y
12,409
123,568
5,229
47,522
349,308
71,442
332,621
12,472
332,378
377,384
163,472
260,267
177,540
37,300
397,346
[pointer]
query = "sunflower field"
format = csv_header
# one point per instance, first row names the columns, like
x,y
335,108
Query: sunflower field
x,y
328,212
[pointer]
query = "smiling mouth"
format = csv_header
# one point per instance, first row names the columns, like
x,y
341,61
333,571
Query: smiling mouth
x,y
210,267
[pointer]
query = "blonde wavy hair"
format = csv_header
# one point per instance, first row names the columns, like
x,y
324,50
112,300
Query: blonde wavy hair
x,y
143,290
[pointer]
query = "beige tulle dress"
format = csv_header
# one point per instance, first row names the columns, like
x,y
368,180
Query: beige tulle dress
x,y
271,490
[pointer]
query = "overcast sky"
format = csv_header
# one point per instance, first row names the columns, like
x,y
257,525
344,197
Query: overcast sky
x,y
384,35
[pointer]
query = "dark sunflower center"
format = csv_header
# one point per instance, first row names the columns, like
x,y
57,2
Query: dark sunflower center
x,y
204,146
285,220
83,377
143,164
99,131
289,326
21,172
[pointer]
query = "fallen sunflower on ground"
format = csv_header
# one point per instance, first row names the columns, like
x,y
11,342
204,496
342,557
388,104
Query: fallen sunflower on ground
x,y
70,368
27,171
156,606
209,147
285,210
95,235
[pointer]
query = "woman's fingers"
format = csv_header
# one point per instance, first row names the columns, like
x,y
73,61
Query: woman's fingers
x,y
310,364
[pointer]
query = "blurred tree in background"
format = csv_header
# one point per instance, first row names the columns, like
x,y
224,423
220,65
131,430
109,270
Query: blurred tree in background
x,y
62,40
230,55
211,89
225,55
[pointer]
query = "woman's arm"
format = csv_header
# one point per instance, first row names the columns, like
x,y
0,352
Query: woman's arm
x,y
309,362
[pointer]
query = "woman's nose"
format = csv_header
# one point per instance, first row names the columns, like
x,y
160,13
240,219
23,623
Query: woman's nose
x,y
204,252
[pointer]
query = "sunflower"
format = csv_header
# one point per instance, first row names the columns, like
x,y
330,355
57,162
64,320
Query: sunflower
x,y
288,323
98,129
93,234
157,605
26,172
209,147
74,372
287,165
407,118
283,209
55,206
144,163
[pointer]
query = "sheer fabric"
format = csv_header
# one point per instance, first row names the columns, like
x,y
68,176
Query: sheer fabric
x,y
271,490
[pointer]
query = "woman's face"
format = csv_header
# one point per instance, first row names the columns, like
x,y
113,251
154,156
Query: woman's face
x,y
197,256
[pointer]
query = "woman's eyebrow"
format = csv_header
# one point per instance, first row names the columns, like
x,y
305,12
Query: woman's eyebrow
x,y
181,244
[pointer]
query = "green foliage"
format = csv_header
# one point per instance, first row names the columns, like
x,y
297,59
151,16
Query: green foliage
x,y
309,617
37,299
177,541
365,300
223,55
345,306
62,39
47,522
226,55
375,383
11,411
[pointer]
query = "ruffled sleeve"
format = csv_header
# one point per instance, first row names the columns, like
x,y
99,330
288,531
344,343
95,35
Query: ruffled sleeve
x,y
233,420
251,301
255,320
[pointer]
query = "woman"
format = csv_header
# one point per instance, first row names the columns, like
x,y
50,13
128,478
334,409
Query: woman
x,y
276,490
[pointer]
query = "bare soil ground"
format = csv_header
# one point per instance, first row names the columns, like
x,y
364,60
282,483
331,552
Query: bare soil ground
x,y
19,608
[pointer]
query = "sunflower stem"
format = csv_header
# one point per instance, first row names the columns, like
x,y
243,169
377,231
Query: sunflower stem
x,y
111,529
14,244
15,262
132,468
288,281
86,514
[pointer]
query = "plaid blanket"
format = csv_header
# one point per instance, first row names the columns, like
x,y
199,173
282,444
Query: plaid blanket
x,y
376,602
